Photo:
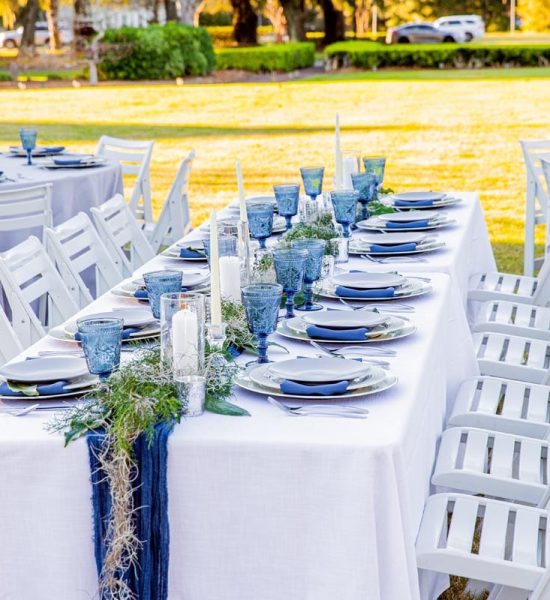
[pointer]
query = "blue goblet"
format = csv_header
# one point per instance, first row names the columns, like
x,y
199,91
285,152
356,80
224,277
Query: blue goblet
x,y
312,178
161,282
290,264
287,197
227,246
375,165
365,185
260,221
261,303
344,203
28,141
314,265
101,340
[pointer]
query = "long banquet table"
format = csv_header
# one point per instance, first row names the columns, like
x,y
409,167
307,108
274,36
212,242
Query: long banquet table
x,y
266,507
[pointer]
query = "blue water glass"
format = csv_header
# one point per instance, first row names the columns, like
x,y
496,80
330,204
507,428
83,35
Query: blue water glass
x,y
101,340
290,264
161,282
312,178
260,221
365,185
261,303
28,142
287,197
227,246
314,265
344,203
375,165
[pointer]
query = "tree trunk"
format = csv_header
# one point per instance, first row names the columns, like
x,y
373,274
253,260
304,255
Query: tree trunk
x,y
334,23
245,21
29,24
171,10
295,17
189,11
155,17
81,24
52,14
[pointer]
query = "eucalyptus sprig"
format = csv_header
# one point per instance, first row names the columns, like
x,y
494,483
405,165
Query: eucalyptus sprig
x,y
321,229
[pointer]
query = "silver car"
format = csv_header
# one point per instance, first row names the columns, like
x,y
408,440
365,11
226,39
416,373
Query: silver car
x,y
12,38
422,33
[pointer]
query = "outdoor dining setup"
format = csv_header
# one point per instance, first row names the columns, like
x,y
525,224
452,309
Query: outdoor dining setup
x,y
324,391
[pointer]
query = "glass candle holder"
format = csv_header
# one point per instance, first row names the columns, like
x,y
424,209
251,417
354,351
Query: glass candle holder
x,y
182,318
227,246
261,302
312,178
351,164
161,282
287,198
365,185
191,391
260,221
28,142
309,210
290,266
341,247
345,208
375,165
101,340
216,336
314,265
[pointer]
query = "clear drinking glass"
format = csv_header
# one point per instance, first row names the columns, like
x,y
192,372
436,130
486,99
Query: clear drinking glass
x,y
314,265
227,246
375,165
28,142
287,197
260,221
290,266
161,282
101,340
345,208
365,185
312,178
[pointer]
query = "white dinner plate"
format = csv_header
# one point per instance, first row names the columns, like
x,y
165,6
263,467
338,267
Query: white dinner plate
x,y
427,246
410,215
48,368
126,289
443,203
87,163
174,252
344,319
376,224
132,317
318,370
190,279
390,239
73,393
419,196
38,151
413,287
369,281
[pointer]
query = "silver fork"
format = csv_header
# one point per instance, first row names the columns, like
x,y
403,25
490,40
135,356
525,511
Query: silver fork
x,y
388,259
390,307
359,349
321,410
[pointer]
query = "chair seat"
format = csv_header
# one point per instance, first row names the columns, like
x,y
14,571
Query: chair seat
x,y
503,316
502,286
487,540
495,464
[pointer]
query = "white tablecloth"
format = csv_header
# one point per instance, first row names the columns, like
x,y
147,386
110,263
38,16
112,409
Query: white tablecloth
x,y
265,507
73,190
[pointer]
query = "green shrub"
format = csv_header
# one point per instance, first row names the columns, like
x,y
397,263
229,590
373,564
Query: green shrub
x,y
277,57
156,52
369,55
4,76
215,19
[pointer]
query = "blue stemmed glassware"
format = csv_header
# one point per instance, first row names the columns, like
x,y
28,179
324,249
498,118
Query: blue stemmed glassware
x,y
161,282
314,265
287,197
290,264
227,246
260,221
261,303
365,185
375,165
28,142
312,178
344,203
101,340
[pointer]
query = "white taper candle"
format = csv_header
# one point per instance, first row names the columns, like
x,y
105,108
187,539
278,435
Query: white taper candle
x,y
242,197
215,302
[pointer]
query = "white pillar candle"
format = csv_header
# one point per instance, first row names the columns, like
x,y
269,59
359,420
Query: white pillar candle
x,y
349,166
215,297
230,277
242,198
337,156
185,342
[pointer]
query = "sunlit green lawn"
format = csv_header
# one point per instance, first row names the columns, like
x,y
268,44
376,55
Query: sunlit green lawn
x,y
456,133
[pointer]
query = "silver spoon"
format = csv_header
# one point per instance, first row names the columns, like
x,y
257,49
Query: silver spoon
x,y
320,410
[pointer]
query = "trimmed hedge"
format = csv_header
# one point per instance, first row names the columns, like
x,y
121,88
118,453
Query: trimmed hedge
x,y
276,57
156,52
369,55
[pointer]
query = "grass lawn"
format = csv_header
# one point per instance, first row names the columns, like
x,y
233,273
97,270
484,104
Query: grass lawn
x,y
452,133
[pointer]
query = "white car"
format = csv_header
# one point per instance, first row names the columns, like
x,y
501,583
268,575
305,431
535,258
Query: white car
x,y
12,38
471,26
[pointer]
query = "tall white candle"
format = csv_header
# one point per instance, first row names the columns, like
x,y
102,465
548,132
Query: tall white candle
x,y
349,166
216,301
337,155
185,342
242,198
230,277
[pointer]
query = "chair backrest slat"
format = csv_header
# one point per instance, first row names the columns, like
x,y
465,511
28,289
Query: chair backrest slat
x,y
26,208
10,346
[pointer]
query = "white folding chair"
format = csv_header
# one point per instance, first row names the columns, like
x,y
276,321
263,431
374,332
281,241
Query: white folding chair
x,y
174,221
10,346
503,405
513,357
135,160
26,208
488,540
514,319
121,233
77,250
537,201
27,276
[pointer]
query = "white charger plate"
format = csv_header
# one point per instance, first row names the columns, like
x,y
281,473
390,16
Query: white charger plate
x,y
410,215
375,224
420,196
421,248
132,317
126,289
369,281
344,319
413,288
47,368
390,239
318,370
447,201
189,279
174,253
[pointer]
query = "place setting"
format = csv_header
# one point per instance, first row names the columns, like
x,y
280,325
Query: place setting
x,y
72,161
395,244
411,220
192,251
421,200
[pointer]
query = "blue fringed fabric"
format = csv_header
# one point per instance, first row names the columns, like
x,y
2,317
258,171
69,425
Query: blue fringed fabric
x,y
149,578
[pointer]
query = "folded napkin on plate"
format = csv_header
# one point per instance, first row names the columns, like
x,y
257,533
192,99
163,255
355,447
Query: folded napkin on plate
x,y
142,294
69,162
191,253
127,332
44,389
412,204
54,149
324,389
351,335
407,225
347,292
381,249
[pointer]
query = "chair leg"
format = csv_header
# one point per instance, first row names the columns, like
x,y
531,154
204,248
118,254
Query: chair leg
x,y
500,592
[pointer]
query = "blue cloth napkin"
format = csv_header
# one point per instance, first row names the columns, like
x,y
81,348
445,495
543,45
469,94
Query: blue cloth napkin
x,y
69,162
345,335
408,204
407,225
380,249
142,294
324,389
45,389
126,333
346,292
191,253
54,149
